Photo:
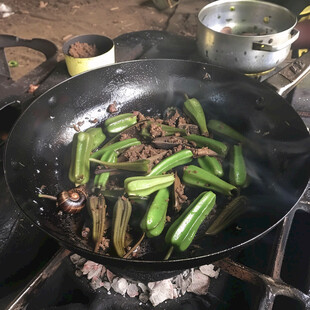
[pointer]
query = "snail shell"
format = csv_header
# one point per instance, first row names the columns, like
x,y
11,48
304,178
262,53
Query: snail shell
x,y
73,200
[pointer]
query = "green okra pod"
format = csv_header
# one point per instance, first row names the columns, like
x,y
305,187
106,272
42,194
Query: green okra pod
x,y
230,212
141,165
97,208
183,230
166,129
120,122
195,112
198,177
156,214
217,146
237,168
157,230
117,146
101,179
79,170
225,130
120,219
177,159
211,164
146,185
98,136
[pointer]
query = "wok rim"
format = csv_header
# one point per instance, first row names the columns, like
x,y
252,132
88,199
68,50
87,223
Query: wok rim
x,y
189,261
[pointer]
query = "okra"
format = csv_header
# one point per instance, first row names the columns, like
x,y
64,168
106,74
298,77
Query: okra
x,y
156,214
183,230
225,130
231,212
97,209
79,170
195,112
117,146
211,164
177,159
157,230
141,165
98,136
198,177
120,122
146,185
167,130
219,147
237,168
101,179
121,215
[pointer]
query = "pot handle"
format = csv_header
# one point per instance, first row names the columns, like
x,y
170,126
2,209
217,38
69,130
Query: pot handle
x,y
287,78
259,46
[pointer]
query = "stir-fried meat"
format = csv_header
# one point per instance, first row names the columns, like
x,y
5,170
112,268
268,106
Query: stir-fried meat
x,y
143,151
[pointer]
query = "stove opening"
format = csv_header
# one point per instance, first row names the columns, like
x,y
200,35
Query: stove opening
x,y
283,302
8,117
296,263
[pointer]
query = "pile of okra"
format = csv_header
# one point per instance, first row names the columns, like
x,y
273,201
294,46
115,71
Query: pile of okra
x,y
193,150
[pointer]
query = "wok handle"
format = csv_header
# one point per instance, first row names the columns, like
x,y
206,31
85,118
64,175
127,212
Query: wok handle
x,y
274,48
287,78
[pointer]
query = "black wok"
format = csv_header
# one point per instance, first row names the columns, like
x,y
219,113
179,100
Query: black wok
x,y
38,149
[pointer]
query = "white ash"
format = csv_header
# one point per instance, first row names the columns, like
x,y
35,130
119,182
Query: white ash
x,y
200,283
132,290
161,291
120,285
209,270
194,280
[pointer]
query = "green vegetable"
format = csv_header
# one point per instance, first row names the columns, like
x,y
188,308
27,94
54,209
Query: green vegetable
x,y
120,122
13,63
97,209
154,219
121,215
237,169
168,130
117,146
177,159
98,136
146,185
232,211
219,147
194,111
211,164
101,179
141,165
225,130
183,230
79,170
196,176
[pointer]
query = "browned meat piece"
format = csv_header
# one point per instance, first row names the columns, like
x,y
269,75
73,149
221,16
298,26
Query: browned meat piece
x,y
204,151
156,130
168,142
112,108
143,152
140,116
172,117
191,129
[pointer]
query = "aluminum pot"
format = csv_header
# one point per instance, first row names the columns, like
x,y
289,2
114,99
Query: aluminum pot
x,y
245,35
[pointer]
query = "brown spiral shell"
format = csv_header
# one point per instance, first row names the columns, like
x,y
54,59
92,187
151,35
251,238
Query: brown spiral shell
x,y
73,200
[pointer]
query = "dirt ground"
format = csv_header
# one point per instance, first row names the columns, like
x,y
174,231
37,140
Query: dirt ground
x,y
59,20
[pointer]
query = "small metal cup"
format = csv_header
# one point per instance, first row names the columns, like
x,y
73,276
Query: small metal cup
x,y
106,55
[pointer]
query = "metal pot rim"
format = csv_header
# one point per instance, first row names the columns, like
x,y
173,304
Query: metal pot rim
x,y
201,15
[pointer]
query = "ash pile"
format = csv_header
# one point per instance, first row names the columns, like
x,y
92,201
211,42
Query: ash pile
x,y
194,280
